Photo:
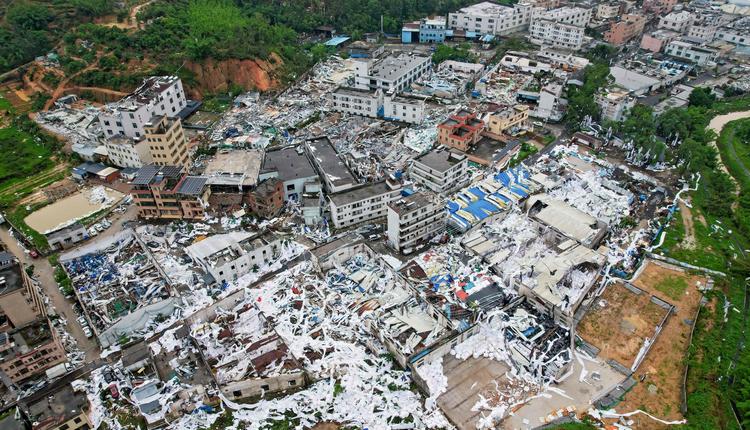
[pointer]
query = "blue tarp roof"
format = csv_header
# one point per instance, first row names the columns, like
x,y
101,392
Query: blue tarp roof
x,y
336,41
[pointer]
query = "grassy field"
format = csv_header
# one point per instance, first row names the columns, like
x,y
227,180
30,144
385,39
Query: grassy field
x,y
22,156
735,150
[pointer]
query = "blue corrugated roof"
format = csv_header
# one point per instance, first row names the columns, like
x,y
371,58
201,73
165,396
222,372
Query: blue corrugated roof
x,y
336,41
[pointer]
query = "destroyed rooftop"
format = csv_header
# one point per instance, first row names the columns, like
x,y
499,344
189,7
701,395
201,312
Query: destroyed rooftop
x,y
234,168
289,164
362,192
148,92
54,410
328,159
441,159
486,9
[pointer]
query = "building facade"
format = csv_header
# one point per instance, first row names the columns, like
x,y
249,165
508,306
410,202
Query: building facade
x,y
167,142
158,95
391,74
440,170
628,28
292,167
413,220
508,118
658,40
694,53
403,109
615,104
677,21
606,11
124,151
559,28
491,18
362,204
356,101
164,192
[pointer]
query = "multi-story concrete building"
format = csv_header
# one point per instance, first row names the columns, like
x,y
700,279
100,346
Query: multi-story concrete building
x,y
20,302
362,204
461,130
440,170
508,118
737,36
124,151
229,256
29,350
628,28
267,199
702,32
560,28
167,142
615,103
357,101
432,30
28,344
333,172
414,219
491,18
657,40
658,7
677,21
409,110
697,54
165,192
158,95
549,106
391,74
61,409
607,11
292,167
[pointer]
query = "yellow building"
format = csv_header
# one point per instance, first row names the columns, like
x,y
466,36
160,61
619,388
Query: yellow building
x,y
508,118
167,142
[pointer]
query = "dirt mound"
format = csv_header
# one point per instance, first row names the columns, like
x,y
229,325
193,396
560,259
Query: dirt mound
x,y
216,76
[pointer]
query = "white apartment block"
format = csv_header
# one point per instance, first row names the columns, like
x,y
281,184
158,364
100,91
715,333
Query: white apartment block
x,y
677,21
615,104
158,95
734,36
704,33
357,101
403,109
228,257
440,170
491,18
560,28
362,204
124,151
413,220
392,74
699,55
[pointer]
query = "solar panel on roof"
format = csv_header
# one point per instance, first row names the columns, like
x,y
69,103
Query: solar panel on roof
x,y
192,185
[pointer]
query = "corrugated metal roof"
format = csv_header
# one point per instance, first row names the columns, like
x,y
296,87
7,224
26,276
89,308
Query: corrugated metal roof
x,y
145,174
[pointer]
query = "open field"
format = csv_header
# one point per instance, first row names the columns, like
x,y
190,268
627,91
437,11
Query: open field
x,y
660,375
619,322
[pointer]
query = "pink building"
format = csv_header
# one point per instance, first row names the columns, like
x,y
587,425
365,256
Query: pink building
x,y
659,6
626,29
657,40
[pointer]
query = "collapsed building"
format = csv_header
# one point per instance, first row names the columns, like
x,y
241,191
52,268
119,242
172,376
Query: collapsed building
x,y
118,285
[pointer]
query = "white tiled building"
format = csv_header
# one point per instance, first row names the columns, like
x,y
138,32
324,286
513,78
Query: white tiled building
x,y
699,55
677,21
157,96
559,28
391,74
357,101
491,18
440,170
403,109
615,104
413,220
124,151
362,204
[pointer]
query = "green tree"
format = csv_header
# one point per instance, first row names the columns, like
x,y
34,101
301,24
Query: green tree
x,y
28,16
702,97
